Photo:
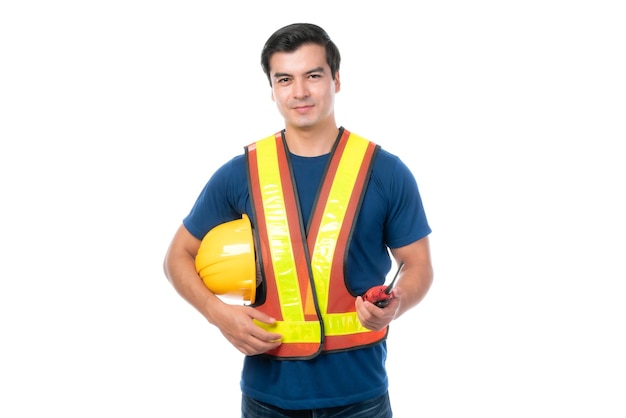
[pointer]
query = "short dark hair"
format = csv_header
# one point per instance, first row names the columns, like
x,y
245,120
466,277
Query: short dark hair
x,y
291,37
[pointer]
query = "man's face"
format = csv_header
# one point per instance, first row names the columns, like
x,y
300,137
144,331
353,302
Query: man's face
x,y
302,86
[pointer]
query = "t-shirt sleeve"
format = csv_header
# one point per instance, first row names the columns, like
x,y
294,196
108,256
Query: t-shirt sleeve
x,y
406,221
216,203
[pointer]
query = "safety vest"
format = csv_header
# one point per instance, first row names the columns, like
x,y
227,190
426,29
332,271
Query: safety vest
x,y
305,288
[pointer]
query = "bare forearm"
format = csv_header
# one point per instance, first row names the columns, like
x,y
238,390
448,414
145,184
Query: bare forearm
x,y
416,276
179,268
188,285
413,286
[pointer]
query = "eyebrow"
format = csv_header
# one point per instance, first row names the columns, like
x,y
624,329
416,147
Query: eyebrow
x,y
314,70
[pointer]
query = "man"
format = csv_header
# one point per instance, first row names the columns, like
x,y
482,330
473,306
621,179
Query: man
x,y
327,207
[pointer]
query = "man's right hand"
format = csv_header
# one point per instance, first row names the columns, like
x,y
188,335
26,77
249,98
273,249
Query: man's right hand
x,y
236,324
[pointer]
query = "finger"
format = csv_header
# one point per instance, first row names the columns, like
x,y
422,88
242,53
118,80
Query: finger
x,y
262,328
259,346
261,316
266,336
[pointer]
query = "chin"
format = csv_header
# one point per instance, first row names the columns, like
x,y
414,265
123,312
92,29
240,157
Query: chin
x,y
304,123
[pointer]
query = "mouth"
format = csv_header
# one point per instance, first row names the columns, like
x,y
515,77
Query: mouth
x,y
303,108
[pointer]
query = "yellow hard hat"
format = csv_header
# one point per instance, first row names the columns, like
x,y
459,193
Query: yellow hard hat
x,y
226,261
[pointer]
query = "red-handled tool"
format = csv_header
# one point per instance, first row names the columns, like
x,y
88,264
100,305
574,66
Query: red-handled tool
x,y
380,295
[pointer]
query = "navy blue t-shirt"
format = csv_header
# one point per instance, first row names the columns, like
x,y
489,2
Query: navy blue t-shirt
x,y
391,216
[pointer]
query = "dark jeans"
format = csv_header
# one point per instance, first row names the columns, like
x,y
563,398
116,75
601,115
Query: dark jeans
x,y
374,408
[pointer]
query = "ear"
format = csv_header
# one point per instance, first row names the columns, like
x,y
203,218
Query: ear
x,y
337,82
274,100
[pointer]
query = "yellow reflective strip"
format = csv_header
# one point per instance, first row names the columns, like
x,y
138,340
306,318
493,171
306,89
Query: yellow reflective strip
x,y
278,231
343,324
334,213
295,331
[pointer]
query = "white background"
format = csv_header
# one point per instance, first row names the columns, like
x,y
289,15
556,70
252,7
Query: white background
x,y
511,115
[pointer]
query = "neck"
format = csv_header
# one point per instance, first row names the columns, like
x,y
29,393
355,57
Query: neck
x,y
311,142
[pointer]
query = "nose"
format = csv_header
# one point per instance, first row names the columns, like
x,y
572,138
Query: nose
x,y
300,89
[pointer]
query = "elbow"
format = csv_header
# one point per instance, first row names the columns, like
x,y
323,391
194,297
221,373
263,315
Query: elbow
x,y
167,271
